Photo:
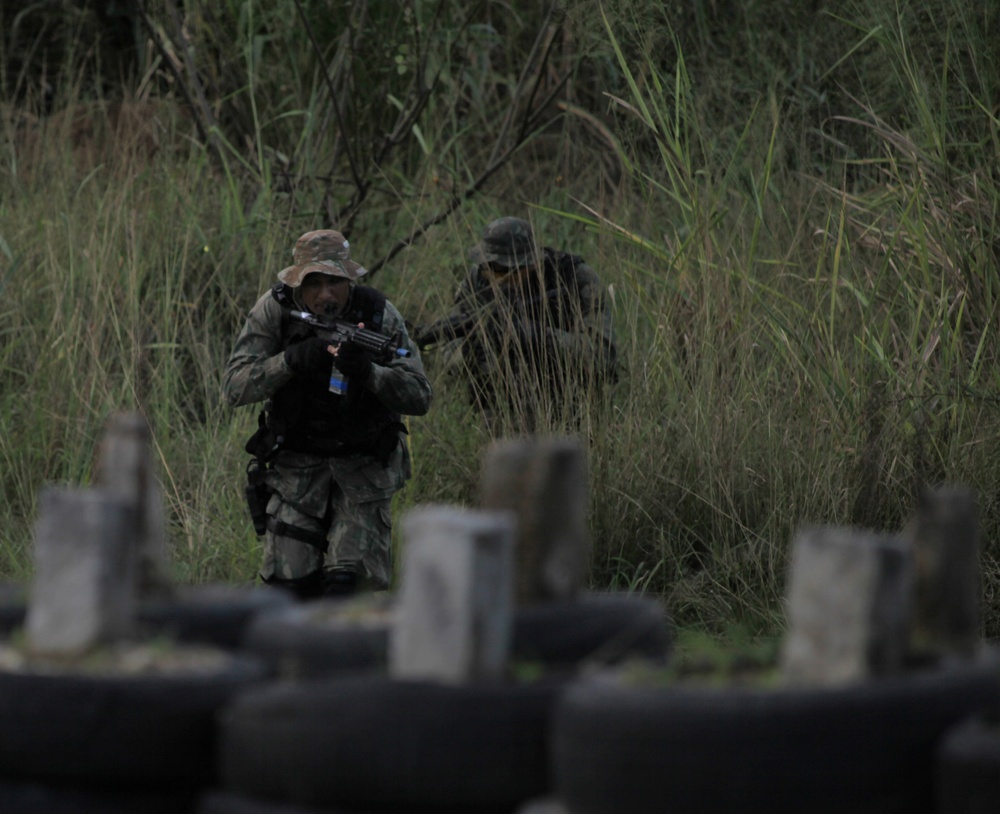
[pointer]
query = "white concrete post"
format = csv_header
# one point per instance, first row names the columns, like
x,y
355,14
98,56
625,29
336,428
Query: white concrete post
x,y
83,592
453,618
849,604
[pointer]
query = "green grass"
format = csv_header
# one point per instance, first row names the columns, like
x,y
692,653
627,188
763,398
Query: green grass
x,y
804,278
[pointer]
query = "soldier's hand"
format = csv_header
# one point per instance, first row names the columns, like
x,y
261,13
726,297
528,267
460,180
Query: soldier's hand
x,y
310,357
354,361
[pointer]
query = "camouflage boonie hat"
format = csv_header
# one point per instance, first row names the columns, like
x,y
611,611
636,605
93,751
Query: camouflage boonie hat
x,y
506,242
326,251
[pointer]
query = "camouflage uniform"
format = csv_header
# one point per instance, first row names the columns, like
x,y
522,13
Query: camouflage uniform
x,y
345,498
556,318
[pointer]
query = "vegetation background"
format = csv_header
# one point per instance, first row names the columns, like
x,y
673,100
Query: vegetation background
x,y
793,204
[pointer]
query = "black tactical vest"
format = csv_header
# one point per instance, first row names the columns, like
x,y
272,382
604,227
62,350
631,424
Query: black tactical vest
x,y
307,418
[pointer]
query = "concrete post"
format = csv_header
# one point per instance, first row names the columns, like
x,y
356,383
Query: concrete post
x,y
544,482
453,618
849,606
83,592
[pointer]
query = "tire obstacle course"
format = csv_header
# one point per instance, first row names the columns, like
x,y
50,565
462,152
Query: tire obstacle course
x,y
542,697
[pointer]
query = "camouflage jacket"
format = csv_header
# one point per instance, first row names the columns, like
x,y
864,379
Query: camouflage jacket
x,y
567,298
257,369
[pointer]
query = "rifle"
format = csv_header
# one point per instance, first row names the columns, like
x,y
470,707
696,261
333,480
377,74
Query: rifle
x,y
458,326
339,332
445,329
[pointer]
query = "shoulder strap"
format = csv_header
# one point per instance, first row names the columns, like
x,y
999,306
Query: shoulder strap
x,y
367,306
283,294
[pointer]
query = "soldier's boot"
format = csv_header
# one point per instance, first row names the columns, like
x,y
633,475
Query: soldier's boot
x,y
308,587
341,580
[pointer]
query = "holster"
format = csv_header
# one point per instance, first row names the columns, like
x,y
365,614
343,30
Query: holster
x,y
258,494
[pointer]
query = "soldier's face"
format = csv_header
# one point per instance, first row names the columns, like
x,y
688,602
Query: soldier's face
x,y
323,295
506,276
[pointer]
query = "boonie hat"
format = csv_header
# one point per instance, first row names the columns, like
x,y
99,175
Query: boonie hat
x,y
506,242
324,250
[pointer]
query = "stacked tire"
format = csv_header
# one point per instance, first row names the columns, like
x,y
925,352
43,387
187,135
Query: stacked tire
x,y
344,736
623,743
113,741
371,743
326,637
333,637
968,765
216,614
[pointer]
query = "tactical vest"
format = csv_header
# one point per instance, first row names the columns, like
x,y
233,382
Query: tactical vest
x,y
304,416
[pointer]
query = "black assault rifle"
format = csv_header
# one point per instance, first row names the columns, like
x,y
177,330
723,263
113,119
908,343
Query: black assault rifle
x,y
458,326
338,331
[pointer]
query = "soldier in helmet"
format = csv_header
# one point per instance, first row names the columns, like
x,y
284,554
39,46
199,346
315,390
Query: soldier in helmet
x,y
328,462
534,327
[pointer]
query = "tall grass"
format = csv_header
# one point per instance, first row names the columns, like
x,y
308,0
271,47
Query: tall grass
x,y
804,281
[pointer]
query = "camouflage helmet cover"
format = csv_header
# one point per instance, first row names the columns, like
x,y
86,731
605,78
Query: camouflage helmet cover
x,y
507,242
325,251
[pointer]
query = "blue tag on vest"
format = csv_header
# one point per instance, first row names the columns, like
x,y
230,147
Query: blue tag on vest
x,y
338,382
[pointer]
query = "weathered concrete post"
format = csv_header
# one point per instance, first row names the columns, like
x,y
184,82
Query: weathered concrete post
x,y
83,592
453,618
544,482
125,467
944,532
849,606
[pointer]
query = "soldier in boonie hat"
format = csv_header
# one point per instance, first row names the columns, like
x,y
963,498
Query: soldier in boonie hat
x,y
325,251
507,243
327,458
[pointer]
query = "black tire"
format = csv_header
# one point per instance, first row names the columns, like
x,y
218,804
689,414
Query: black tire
x,y
216,614
968,766
862,749
13,606
368,742
332,637
29,798
327,637
117,731
224,802
596,628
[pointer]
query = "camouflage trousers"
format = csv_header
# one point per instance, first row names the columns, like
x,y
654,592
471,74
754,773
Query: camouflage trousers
x,y
348,503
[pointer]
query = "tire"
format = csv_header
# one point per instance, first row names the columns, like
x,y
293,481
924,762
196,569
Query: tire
x,y
223,802
327,637
139,732
968,766
368,742
215,614
332,637
596,628
27,798
867,748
